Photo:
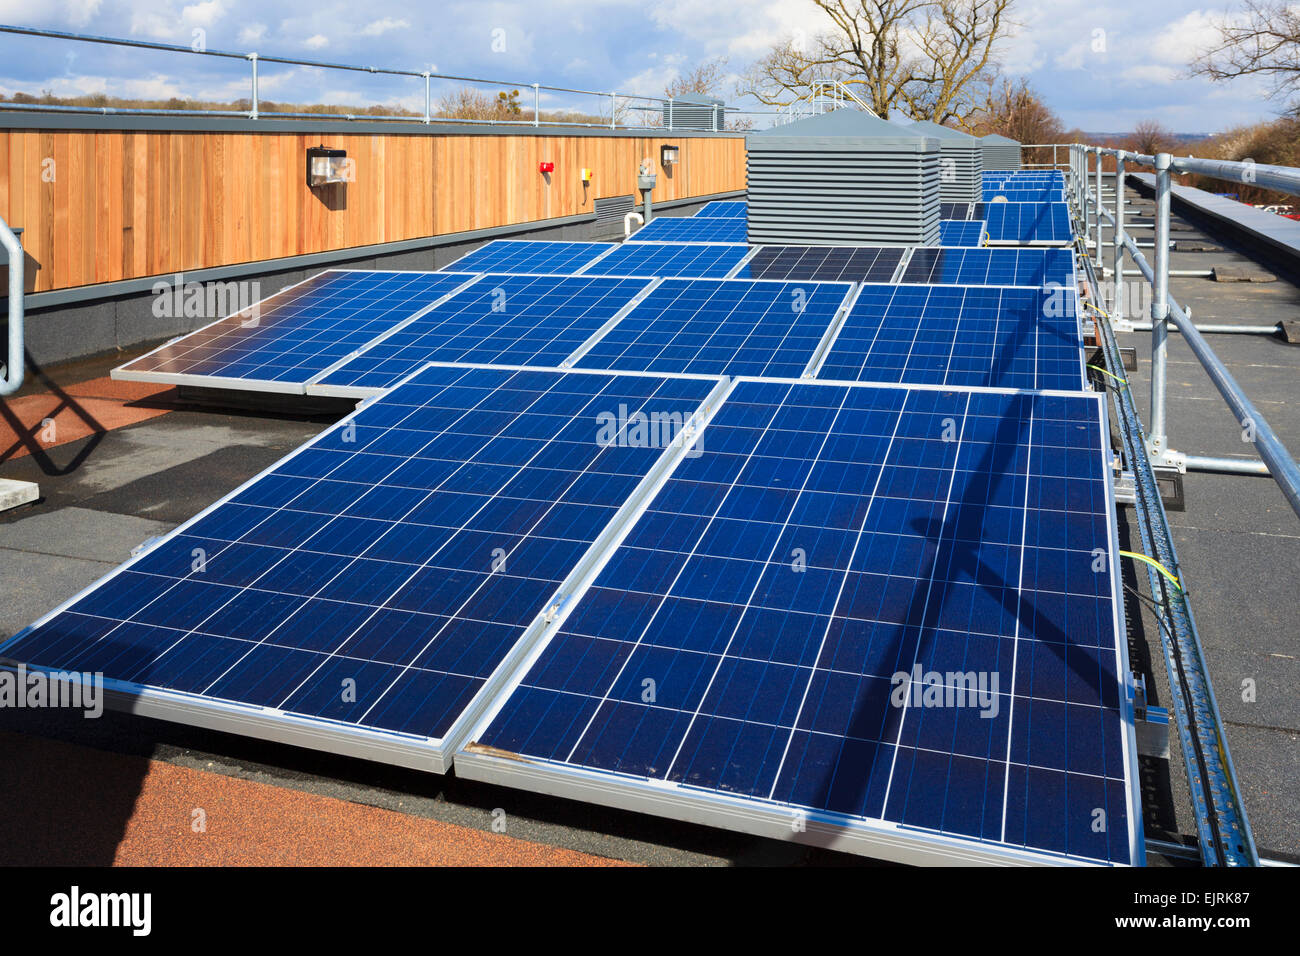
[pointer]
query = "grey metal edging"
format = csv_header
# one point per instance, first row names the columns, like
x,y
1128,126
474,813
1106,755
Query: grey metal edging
x,y
615,319
515,664
744,261
881,840
903,262
833,330
366,347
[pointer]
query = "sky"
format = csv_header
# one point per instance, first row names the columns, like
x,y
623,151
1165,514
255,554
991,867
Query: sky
x,y
1102,65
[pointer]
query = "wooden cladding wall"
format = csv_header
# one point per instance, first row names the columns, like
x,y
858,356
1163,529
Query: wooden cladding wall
x,y
104,206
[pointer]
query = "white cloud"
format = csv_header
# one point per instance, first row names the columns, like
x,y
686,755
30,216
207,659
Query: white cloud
x,y
379,27
316,41
252,33
1155,73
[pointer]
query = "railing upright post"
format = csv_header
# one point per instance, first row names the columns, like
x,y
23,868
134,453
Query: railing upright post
x,y
1160,307
613,110
1117,302
253,59
537,104
428,115
1087,193
1097,260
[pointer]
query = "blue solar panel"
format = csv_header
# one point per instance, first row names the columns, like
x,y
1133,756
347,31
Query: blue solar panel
x,y
284,341
500,320
958,233
1024,193
714,260
1030,267
726,208
1022,222
531,256
959,336
784,641
693,229
405,550
1031,176
823,263
721,327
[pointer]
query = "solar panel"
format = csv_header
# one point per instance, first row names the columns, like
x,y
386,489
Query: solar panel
x,y
1024,193
284,341
954,210
721,327
793,637
713,260
957,233
693,229
1027,222
959,336
825,263
531,256
726,208
359,596
501,319
1029,267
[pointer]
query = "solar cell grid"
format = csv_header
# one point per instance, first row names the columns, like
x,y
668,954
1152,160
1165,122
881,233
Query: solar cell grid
x,y
1028,267
531,256
828,542
727,208
501,319
406,549
959,336
1028,222
823,263
693,229
653,259
287,339
957,233
721,327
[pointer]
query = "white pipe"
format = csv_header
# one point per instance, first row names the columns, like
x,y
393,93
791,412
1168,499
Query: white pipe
x,y
627,222
13,377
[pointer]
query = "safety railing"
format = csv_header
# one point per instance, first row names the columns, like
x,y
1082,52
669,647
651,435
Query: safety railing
x,y
1166,313
1223,830
11,377
613,108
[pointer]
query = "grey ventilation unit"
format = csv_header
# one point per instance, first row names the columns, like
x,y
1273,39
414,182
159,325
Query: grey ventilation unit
x,y
843,178
612,209
1000,152
961,163
695,111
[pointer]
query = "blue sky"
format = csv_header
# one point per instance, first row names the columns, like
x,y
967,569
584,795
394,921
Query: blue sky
x,y
1102,65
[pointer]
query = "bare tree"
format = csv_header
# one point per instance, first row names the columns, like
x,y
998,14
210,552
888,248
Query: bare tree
x,y
705,78
1261,40
924,57
958,44
1150,137
1013,108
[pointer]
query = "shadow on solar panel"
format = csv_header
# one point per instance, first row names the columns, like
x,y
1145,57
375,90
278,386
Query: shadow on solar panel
x,y
862,618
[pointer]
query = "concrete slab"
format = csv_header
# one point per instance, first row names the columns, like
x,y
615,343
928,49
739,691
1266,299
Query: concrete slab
x,y
14,493
80,533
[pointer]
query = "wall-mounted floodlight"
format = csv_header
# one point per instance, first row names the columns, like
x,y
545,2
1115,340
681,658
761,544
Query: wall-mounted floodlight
x,y
669,155
325,166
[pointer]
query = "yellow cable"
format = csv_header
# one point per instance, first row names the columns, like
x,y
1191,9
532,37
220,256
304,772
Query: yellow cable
x,y
1155,564
1122,381
1089,305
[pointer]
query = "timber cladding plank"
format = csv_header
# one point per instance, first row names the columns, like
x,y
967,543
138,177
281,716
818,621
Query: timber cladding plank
x,y
123,205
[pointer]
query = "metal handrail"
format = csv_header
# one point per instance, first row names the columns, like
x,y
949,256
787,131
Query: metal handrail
x,y
12,379
651,102
1165,309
